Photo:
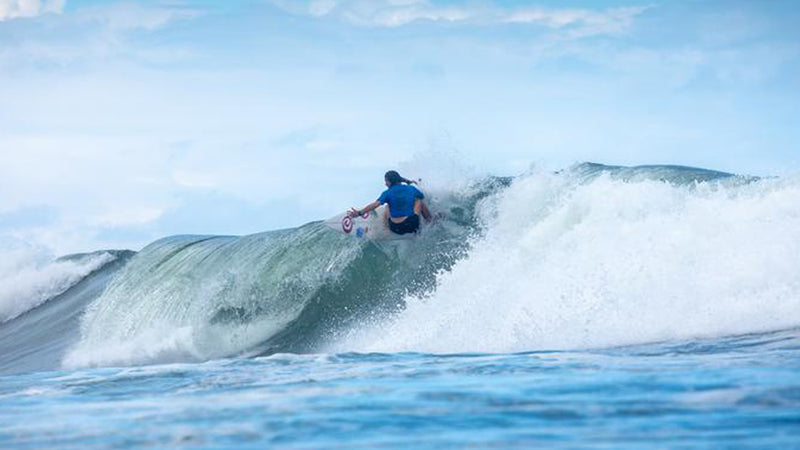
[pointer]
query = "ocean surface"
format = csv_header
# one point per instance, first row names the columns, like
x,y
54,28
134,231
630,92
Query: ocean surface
x,y
598,306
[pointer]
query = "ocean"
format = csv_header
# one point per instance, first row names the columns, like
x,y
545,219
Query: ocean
x,y
597,306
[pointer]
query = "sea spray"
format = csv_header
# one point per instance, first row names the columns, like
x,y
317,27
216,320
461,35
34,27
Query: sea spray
x,y
600,256
38,338
30,277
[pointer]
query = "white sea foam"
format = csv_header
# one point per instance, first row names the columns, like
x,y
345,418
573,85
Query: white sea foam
x,y
30,277
162,343
570,264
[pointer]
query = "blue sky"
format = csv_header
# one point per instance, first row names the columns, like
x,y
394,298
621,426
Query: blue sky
x,y
121,122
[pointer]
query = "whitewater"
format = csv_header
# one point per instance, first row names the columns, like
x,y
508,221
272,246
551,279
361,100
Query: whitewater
x,y
601,303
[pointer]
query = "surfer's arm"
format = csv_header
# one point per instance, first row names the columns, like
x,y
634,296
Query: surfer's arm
x,y
420,208
357,212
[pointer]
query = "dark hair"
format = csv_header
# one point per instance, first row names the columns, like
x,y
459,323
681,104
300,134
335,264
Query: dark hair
x,y
394,178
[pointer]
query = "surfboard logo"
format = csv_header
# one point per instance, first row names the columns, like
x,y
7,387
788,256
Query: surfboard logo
x,y
347,224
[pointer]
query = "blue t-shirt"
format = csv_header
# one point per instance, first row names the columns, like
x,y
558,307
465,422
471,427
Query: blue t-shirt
x,y
400,198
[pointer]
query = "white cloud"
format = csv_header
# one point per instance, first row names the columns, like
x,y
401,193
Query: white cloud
x,y
96,34
585,22
396,13
12,9
133,16
386,13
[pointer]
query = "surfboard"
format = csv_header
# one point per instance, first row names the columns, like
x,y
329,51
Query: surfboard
x,y
371,226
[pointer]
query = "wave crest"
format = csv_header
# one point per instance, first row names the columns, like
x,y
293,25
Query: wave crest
x,y
30,277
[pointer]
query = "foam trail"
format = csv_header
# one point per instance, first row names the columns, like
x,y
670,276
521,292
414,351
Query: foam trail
x,y
577,260
30,277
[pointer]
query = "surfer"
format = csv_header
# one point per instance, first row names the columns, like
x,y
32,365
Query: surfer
x,y
406,204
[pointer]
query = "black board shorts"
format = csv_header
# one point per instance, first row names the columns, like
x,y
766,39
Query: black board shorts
x,y
410,225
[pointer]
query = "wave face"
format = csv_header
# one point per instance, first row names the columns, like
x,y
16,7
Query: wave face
x,y
600,256
193,298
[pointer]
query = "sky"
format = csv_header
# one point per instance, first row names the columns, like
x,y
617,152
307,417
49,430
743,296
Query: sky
x,y
123,122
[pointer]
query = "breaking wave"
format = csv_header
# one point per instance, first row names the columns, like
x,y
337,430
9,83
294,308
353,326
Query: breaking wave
x,y
30,277
591,256
601,256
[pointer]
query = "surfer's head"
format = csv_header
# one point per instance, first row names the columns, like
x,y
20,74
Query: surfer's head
x,y
392,178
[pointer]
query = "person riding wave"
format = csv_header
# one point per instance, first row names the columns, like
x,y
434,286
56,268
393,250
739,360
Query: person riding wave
x,y
406,204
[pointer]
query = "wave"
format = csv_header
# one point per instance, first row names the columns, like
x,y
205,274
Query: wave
x,y
193,298
590,256
39,338
600,256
